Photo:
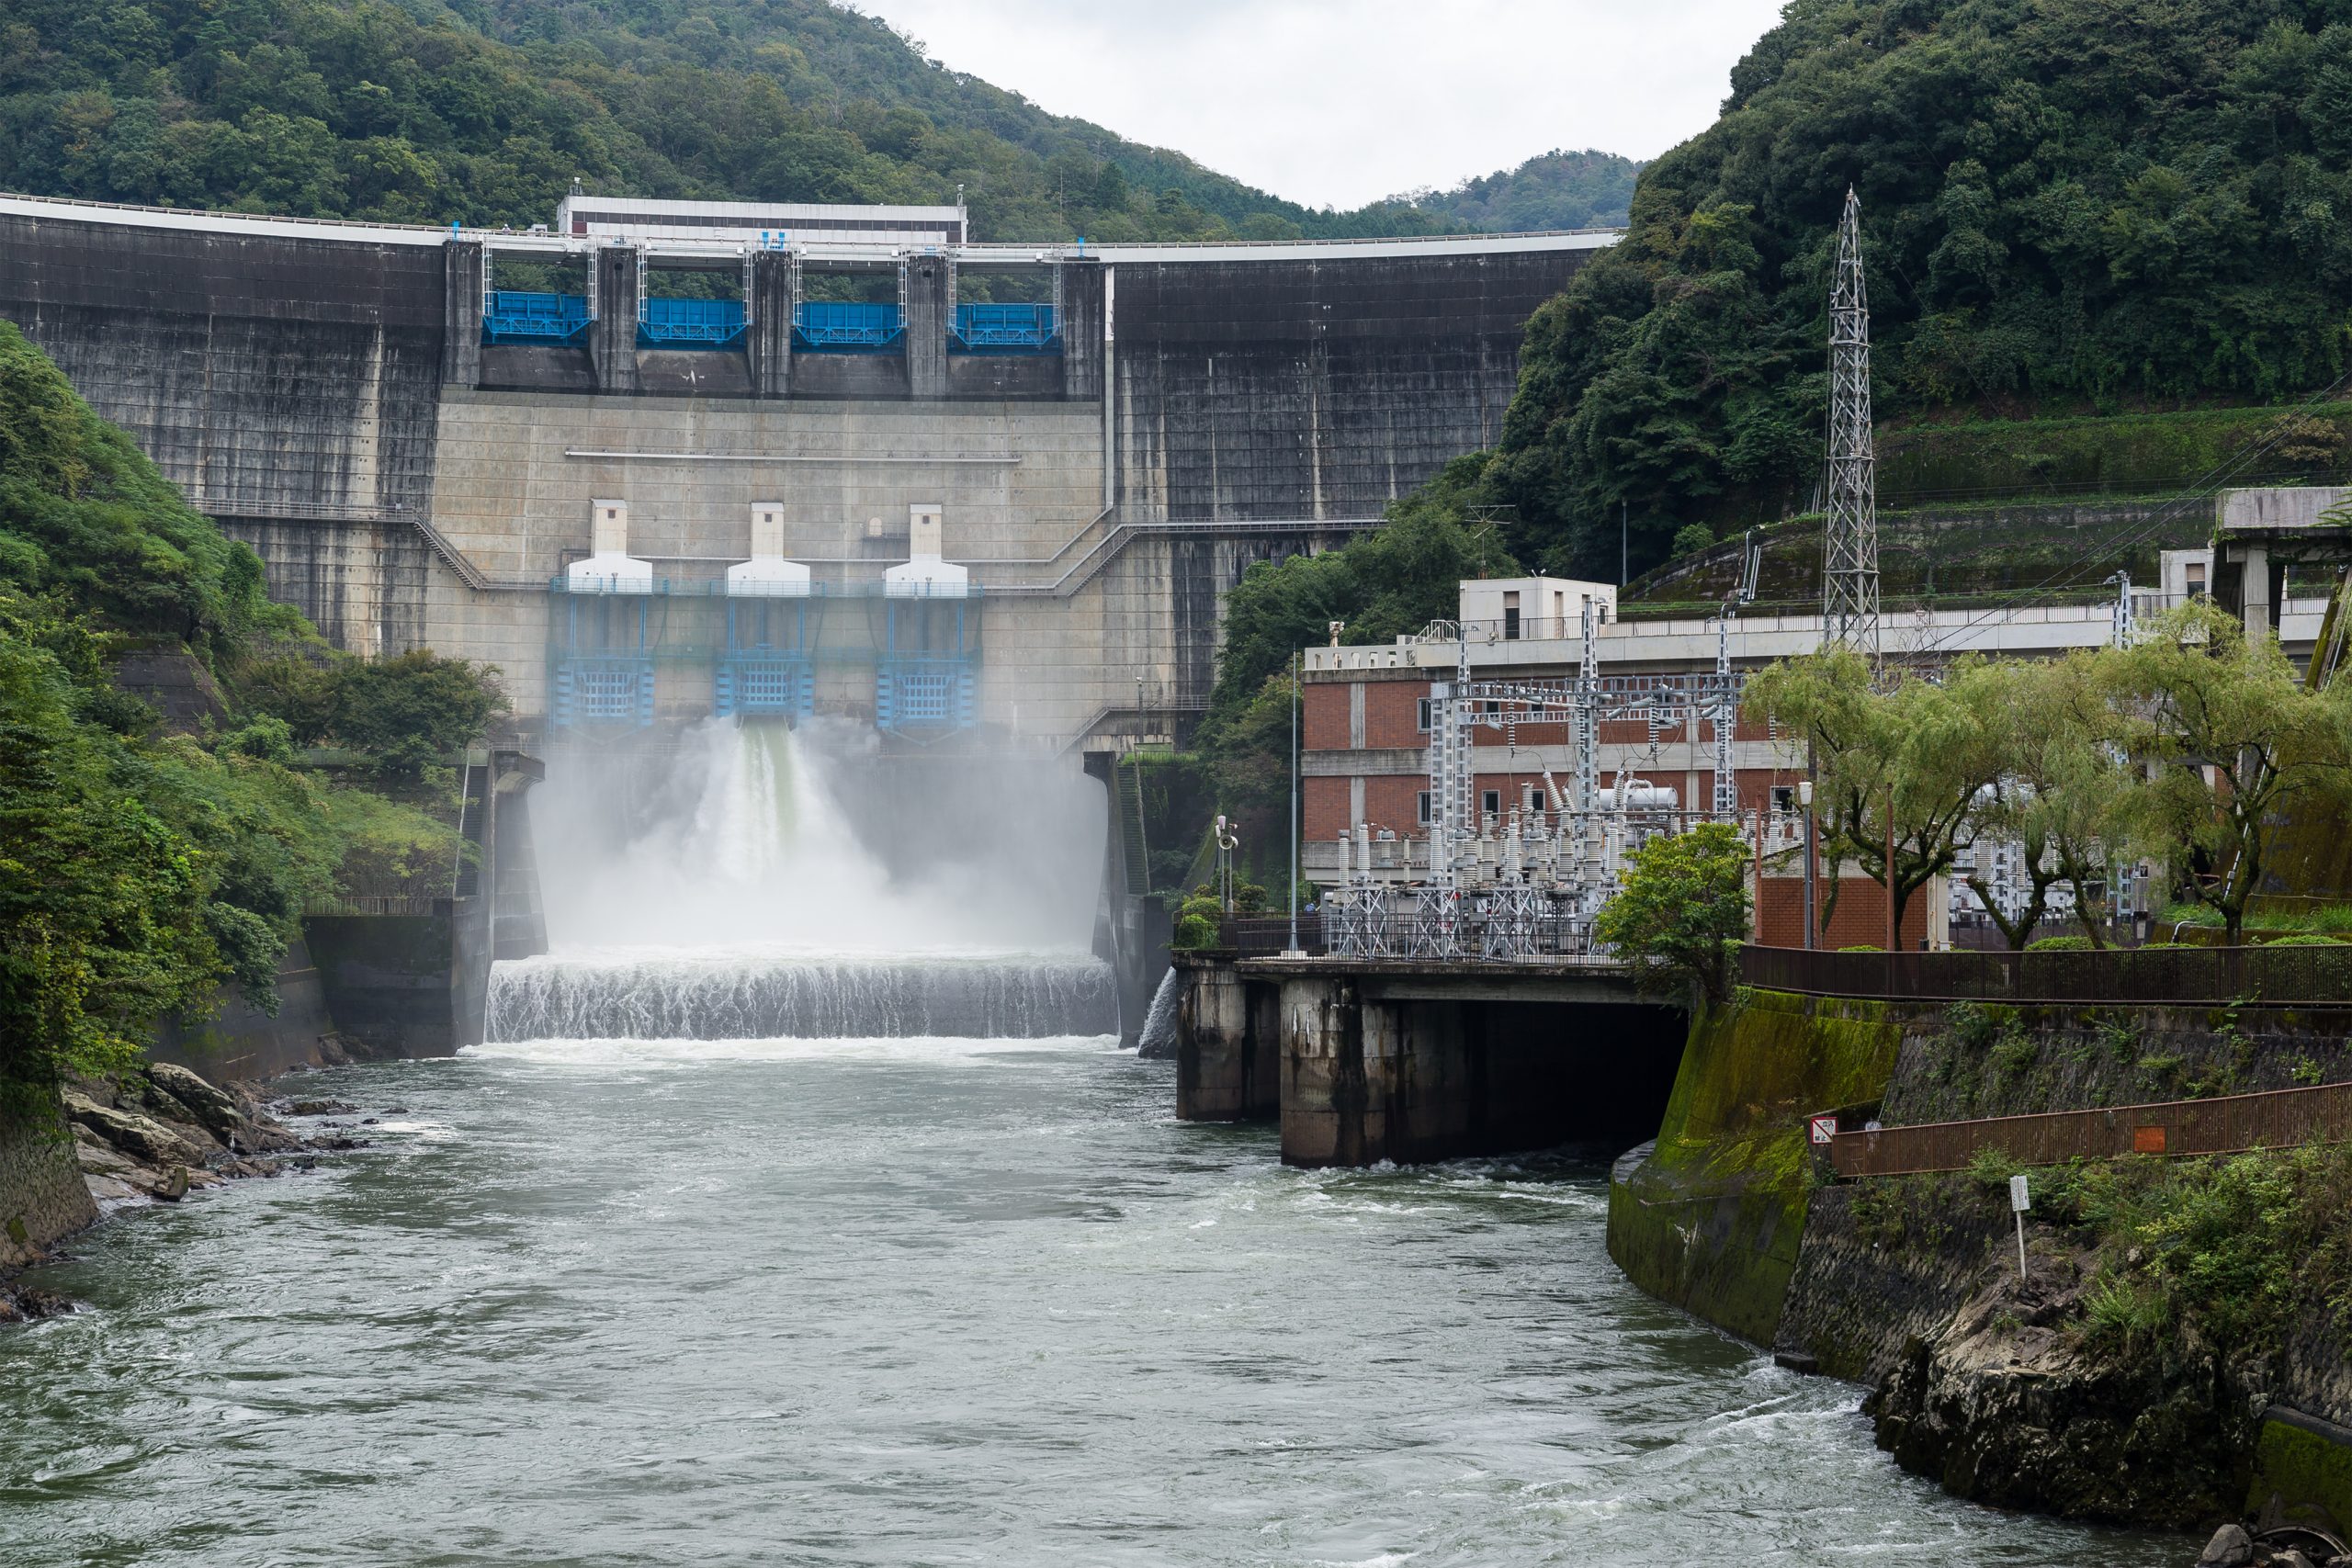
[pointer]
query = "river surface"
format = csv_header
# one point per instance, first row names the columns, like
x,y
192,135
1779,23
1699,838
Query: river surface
x,y
910,1303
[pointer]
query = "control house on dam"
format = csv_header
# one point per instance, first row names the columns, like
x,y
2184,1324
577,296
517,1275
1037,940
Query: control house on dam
x,y
660,461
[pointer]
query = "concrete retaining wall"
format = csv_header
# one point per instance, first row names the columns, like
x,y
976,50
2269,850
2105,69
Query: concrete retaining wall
x,y
1712,1220
41,1194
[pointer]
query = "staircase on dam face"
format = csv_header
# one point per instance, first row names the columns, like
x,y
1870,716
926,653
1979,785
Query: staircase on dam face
x,y
1128,799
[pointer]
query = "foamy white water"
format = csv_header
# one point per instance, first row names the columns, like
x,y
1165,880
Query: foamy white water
x,y
746,907
763,993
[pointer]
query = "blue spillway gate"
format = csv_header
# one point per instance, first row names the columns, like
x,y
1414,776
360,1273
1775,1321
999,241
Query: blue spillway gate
x,y
830,327
925,691
1007,329
764,672
512,315
690,324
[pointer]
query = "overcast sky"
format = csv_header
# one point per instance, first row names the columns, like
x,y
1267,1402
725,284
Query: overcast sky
x,y
1337,102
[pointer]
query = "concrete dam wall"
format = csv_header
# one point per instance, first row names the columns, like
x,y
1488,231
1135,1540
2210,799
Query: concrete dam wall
x,y
325,391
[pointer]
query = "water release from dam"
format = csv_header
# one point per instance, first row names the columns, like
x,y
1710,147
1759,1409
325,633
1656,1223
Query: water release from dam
x,y
742,901
802,1209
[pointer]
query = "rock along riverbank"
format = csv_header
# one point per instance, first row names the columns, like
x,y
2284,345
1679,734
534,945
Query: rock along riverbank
x,y
155,1136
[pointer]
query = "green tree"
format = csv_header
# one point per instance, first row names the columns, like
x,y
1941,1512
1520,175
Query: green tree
x,y
1683,908
2062,788
2230,738
1911,762
414,710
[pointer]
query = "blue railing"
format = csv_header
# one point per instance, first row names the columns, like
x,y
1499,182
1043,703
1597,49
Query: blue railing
x,y
690,324
511,315
845,327
1006,329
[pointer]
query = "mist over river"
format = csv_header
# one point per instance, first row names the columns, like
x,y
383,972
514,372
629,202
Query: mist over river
x,y
926,1302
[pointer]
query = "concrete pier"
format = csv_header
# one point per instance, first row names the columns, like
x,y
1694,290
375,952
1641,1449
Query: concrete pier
x,y
1414,1062
1228,1044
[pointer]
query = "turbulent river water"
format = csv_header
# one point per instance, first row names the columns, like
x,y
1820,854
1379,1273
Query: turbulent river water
x,y
910,1302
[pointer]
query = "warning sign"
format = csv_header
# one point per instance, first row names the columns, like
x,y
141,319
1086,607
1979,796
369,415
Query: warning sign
x,y
1823,1128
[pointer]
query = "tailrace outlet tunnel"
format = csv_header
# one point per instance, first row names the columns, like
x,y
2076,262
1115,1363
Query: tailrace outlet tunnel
x,y
1411,1061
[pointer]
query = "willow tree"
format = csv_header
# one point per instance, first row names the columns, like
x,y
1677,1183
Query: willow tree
x,y
2065,788
2231,737
1901,767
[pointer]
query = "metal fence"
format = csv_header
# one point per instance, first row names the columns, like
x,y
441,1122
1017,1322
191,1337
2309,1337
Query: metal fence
x,y
1258,936
372,904
2306,974
2276,1119
1463,933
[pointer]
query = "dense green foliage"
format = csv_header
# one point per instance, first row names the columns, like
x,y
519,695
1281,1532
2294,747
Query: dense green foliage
x,y
2184,749
1684,908
1552,190
1383,585
141,870
2066,203
402,715
485,113
2197,1244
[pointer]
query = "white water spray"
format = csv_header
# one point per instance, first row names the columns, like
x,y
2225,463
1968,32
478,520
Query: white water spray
x,y
739,900
1159,1035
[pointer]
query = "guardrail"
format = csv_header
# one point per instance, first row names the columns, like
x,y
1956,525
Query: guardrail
x,y
1260,936
2232,1125
2305,975
372,904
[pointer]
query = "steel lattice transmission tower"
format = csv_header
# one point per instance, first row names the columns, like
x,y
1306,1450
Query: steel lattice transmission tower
x,y
1849,567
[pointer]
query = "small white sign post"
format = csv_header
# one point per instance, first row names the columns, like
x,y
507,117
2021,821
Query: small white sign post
x,y
2020,1200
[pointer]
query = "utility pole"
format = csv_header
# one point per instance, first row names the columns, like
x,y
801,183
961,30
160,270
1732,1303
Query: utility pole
x,y
1624,538
1295,951
1812,852
1849,609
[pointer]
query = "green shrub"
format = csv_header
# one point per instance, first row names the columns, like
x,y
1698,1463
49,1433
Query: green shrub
x,y
1692,537
1194,933
2015,1053
410,711
1990,1167
2060,945
1975,1024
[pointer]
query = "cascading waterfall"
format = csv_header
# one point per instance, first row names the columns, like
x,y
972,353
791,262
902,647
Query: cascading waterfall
x,y
755,912
758,996
1159,1035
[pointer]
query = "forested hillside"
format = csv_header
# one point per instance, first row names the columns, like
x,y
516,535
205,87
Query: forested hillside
x,y
484,113
143,865
1554,190
2068,206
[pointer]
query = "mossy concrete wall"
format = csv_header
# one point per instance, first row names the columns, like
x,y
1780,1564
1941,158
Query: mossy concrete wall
x,y
2303,1471
1713,1219
42,1194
